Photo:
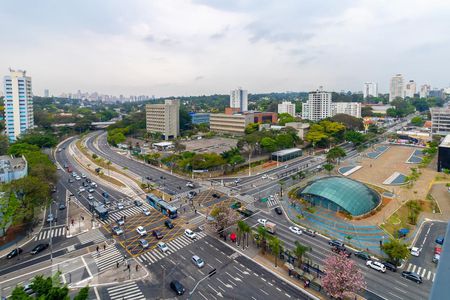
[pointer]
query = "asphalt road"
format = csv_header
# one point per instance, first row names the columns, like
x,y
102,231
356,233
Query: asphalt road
x,y
389,285
167,182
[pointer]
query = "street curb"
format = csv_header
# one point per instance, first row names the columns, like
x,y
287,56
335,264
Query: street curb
x,y
311,296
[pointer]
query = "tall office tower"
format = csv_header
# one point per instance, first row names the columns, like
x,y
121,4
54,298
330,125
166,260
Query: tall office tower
x,y
239,99
410,89
286,107
46,93
424,90
18,103
396,87
164,118
370,89
318,106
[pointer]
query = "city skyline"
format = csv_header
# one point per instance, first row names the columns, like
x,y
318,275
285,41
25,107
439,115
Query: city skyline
x,y
196,47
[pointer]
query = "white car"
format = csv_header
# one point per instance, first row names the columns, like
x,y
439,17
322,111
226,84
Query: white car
x,y
90,197
162,247
78,178
376,266
144,243
190,234
83,175
141,230
415,251
190,184
146,211
81,189
295,230
264,176
262,221
119,205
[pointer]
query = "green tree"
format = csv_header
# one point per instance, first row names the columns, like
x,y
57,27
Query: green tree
x,y
252,127
395,250
355,137
269,144
300,251
8,210
4,144
275,245
417,121
335,154
262,238
328,167
284,118
350,122
316,134
284,141
366,111
83,294
40,139
240,230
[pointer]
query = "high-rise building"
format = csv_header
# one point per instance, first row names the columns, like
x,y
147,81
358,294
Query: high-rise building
x,y
424,91
18,103
410,89
348,108
396,87
164,118
239,99
286,107
440,120
46,93
370,89
318,106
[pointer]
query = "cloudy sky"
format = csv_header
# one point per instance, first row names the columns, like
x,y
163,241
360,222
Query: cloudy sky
x,y
193,47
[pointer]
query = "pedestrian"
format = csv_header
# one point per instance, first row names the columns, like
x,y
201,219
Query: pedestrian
x,y
128,267
117,265
104,247
97,248
137,268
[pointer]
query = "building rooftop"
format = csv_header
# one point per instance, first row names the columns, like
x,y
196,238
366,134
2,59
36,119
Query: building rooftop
x,y
446,142
9,163
286,151
163,144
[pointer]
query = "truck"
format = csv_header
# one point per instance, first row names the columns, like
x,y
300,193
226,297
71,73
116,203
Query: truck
x,y
270,227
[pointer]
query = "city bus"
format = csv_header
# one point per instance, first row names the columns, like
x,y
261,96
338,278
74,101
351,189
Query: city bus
x,y
99,210
162,206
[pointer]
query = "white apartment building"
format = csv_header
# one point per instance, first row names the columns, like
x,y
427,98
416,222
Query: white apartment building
x,y
424,90
348,108
440,120
239,99
318,106
370,89
396,87
286,107
164,118
410,89
18,103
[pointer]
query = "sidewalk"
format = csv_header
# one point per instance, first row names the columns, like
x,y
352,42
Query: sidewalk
x,y
79,220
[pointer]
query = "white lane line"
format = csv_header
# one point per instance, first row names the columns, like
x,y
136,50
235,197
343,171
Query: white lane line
x,y
264,292
434,274
395,295
278,289
404,292
287,295
402,283
202,295
191,278
96,293
217,259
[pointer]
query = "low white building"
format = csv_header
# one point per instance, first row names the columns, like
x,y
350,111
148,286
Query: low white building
x,y
348,108
12,168
286,107
302,128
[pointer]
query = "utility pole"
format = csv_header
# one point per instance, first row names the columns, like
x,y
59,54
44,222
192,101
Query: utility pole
x,y
163,281
211,273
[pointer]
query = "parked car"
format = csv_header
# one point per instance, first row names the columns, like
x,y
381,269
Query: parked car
x,y
363,255
120,221
91,190
162,247
198,261
190,184
50,217
137,203
90,197
168,224
39,248
376,266
144,244
120,205
146,211
105,195
78,178
390,266
84,184
71,180
412,276
440,240
278,210
117,230
88,180
295,230
81,189
14,253
336,243
415,251
158,234
177,287
190,234
62,206
141,231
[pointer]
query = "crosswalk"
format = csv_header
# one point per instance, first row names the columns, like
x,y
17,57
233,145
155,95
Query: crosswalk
x,y
426,274
105,259
127,212
127,291
273,202
94,236
174,245
54,232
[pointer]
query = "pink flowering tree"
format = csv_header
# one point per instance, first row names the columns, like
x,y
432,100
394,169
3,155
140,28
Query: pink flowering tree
x,y
343,277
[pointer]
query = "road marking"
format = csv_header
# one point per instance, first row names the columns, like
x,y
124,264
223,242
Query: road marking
x,y
218,259
402,283
278,289
213,288
191,277
395,295
429,275
413,268
404,292
225,284
220,288
418,270
289,296
256,274
433,277
264,292
409,267
264,279
202,295
270,283
424,271
200,271
96,293
87,268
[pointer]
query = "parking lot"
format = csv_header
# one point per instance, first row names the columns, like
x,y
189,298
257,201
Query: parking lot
x,y
216,145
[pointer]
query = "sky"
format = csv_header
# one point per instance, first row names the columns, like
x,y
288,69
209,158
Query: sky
x,y
202,47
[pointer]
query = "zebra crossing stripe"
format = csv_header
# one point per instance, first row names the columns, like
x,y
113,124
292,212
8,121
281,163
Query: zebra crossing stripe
x,y
409,267
126,291
413,268
429,275
434,274
418,270
424,272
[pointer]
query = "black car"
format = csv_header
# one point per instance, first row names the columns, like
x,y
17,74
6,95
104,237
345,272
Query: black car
x,y
88,180
137,203
390,266
14,253
85,184
412,276
341,250
193,193
362,255
162,177
336,243
158,234
168,224
278,211
62,206
39,248
148,178
177,287
215,195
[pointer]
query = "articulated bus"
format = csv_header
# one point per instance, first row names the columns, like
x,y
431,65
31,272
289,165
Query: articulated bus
x,y
162,206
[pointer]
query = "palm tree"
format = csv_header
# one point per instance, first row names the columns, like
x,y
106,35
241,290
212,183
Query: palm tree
x,y
247,231
275,247
300,251
262,234
241,225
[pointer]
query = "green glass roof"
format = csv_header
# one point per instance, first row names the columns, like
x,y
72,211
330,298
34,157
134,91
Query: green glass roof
x,y
353,196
